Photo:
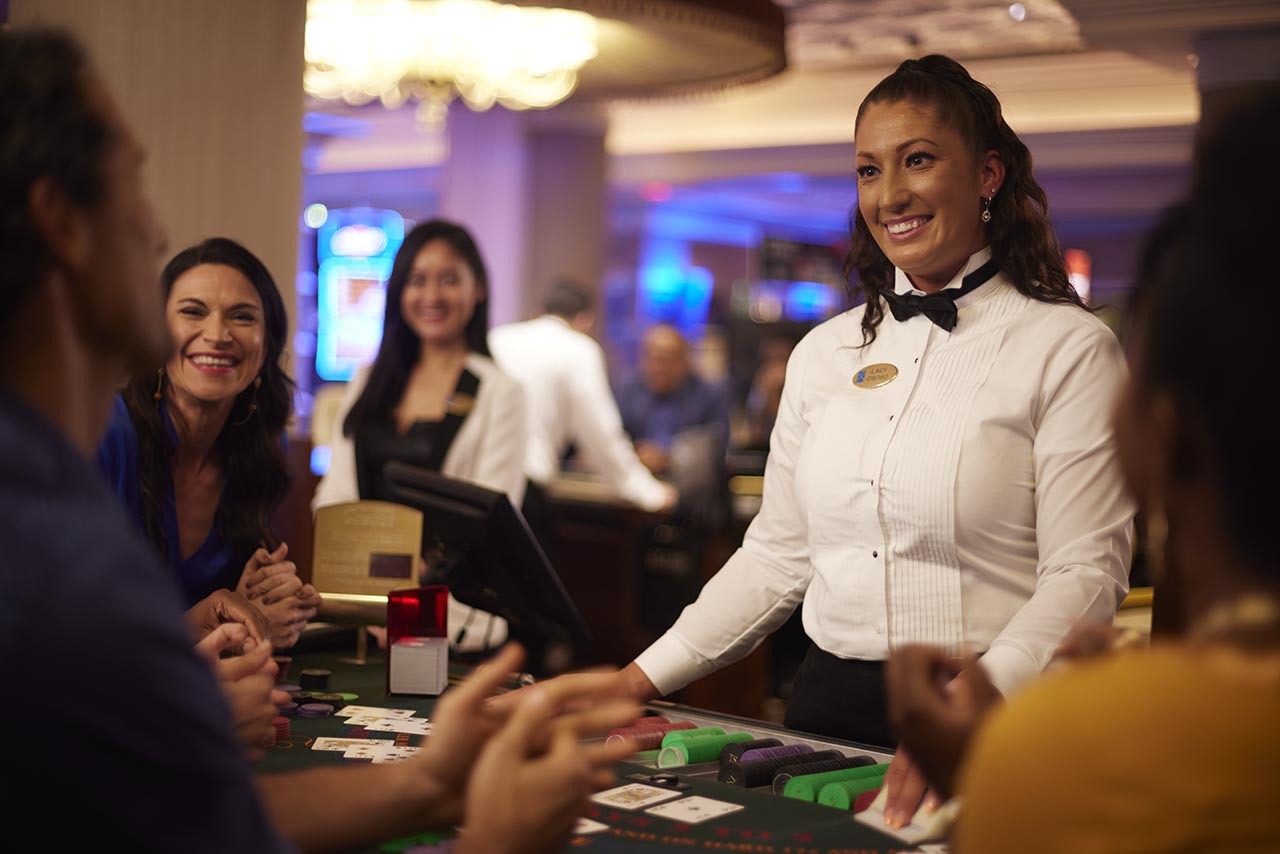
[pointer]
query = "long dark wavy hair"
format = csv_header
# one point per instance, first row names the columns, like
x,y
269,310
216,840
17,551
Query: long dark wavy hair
x,y
250,446
1023,241
400,347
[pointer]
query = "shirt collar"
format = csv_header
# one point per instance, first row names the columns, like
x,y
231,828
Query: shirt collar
x,y
555,318
902,285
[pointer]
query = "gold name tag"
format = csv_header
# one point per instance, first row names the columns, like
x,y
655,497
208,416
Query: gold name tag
x,y
874,376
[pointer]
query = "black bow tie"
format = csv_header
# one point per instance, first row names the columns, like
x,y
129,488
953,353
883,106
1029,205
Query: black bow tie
x,y
939,307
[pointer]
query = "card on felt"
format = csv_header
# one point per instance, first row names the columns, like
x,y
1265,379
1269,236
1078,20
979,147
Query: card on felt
x,y
326,743
586,826
377,711
634,796
694,809
413,726
371,749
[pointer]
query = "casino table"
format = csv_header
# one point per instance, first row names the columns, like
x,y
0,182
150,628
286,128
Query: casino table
x,y
768,824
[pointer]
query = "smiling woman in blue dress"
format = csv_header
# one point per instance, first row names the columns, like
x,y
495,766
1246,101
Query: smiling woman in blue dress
x,y
196,450
942,468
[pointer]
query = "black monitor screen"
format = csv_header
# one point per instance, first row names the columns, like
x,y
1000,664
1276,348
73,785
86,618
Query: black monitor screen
x,y
479,545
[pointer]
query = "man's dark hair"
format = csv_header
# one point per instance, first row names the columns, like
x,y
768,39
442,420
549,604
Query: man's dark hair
x,y
48,128
567,299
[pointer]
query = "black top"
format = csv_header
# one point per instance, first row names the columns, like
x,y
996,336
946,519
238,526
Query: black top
x,y
129,745
379,443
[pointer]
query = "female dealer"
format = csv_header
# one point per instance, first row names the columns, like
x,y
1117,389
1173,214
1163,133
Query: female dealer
x,y
942,469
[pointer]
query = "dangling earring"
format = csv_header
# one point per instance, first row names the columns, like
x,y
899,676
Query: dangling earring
x,y
986,208
253,403
158,394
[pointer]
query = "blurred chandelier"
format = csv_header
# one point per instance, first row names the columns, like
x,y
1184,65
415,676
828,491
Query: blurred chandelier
x,y
431,50
522,54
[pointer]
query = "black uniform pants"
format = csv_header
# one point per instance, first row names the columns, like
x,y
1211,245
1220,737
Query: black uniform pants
x,y
840,697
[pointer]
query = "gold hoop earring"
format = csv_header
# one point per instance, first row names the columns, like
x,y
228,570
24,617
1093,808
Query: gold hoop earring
x,y
986,207
253,402
158,394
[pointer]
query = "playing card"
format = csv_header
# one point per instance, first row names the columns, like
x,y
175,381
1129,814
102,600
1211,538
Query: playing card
x,y
354,711
634,796
586,826
413,726
342,744
366,720
694,809
371,749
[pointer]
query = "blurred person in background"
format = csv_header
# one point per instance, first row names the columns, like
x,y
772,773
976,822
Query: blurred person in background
x,y
666,398
566,384
764,395
433,397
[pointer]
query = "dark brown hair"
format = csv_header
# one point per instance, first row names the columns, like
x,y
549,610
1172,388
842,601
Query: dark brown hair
x,y
250,446
1023,242
48,128
400,347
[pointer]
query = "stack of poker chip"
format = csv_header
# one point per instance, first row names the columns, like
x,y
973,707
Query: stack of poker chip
x,y
283,729
287,710
315,710
691,746
807,787
648,736
282,666
314,679
752,773
334,700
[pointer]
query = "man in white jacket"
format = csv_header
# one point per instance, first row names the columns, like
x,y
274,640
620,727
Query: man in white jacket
x,y
567,393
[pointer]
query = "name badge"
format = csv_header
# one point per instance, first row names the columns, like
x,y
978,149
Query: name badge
x,y
874,376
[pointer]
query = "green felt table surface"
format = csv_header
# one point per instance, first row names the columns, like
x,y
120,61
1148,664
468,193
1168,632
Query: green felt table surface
x,y
768,824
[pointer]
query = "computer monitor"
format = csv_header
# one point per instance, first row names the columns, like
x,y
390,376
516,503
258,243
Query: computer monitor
x,y
479,545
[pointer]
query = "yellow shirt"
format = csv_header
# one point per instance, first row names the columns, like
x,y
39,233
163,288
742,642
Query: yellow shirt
x,y
1172,749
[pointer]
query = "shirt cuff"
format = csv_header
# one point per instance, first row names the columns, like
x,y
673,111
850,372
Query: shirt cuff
x,y
646,493
1009,668
670,664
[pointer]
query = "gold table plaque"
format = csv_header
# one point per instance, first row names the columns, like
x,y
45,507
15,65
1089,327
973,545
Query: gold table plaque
x,y
366,549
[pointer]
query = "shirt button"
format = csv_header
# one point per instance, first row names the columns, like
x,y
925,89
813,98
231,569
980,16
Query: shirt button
x,y
875,554
879,629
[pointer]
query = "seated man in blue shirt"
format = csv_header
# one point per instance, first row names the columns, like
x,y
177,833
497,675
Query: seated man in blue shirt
x,y
132,748
667,399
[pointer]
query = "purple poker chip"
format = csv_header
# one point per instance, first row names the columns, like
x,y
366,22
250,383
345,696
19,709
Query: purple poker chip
x,y
289,689
287,710
315,710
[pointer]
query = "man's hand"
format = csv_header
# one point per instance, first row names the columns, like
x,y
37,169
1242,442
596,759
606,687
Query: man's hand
x,y
630,682
223,606
533,779
247,682
935,704
464,721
